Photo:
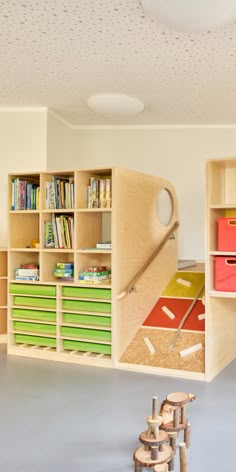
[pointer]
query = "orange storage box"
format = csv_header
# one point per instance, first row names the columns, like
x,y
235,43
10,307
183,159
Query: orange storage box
x,y
227,234
225,274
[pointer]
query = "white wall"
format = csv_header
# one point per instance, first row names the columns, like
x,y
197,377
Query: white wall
x,y
23,139
175,153
59,143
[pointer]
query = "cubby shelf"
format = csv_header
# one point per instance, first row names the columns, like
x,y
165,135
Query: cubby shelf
x,y
127,216
220,305
3,295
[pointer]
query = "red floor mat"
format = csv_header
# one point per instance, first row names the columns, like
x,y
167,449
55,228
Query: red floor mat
x,y
158,319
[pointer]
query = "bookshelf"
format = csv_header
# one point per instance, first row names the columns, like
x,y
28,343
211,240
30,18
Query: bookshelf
x,y
220,304
84,322
3,295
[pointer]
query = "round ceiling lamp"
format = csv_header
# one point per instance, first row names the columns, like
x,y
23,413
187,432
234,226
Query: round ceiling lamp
x,y
115,105
191,15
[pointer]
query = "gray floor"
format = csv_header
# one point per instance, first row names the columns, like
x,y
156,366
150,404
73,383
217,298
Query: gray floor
x,y
57,417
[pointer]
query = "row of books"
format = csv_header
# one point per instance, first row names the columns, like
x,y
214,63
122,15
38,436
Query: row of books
x,y
59,231
60,193
98,192
25,194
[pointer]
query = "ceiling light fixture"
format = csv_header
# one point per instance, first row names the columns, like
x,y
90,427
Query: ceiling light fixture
x,y
191,15
115,105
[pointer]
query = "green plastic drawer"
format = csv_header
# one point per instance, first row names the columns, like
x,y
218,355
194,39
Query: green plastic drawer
x,y
30,289
87,319
87,292
87,347
98,307
34,327
33,314
86,333
33,301
34,340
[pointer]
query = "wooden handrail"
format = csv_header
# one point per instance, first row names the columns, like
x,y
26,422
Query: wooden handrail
x,y
148,261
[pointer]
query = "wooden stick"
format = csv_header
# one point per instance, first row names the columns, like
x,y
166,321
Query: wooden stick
x,y
148,261
172,345
183,457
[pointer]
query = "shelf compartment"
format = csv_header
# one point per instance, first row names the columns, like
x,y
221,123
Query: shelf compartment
x,y
85,333
100,307
87,319
27,289
34,327
34,314
93,227
31,301
49,261
87,347
23,229
3,320
87,292
34,340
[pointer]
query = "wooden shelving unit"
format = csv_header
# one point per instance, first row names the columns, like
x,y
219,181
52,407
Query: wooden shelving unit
x,y
3,295
82,323
220,305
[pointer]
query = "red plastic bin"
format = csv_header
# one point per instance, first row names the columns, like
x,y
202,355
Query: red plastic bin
x,y
225,274
227,234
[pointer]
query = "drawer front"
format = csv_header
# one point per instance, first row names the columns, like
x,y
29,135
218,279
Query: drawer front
x,y
33,314
33,301
98,307
34,340
87,347
30,289
34,327
84,333
87,319
87,292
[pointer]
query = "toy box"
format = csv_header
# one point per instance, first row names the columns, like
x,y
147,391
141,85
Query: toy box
x,y
225,274
227,234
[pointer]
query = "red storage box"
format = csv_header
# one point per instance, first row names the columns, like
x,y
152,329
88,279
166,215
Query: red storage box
x,y
227,234
225,274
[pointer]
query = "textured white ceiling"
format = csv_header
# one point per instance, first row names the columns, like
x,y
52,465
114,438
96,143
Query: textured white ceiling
x,y
56,53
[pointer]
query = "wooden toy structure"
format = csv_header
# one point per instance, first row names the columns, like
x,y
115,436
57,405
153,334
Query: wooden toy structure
x,y
159,441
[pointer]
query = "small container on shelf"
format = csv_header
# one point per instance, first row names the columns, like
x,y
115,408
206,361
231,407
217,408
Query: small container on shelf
x,y
225,274
227,234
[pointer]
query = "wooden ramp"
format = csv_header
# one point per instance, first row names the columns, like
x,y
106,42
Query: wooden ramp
x,y
151,344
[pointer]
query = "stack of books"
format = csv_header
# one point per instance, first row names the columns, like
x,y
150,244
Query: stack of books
x,y
95,275
64,271
27,272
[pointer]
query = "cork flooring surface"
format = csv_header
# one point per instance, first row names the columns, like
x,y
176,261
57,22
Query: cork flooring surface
x,y
138,352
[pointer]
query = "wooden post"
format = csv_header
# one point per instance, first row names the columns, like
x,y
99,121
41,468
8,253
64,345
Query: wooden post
x,y
183,457
187,435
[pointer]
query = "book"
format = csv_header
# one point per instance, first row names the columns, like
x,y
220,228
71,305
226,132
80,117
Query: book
x,y
104,245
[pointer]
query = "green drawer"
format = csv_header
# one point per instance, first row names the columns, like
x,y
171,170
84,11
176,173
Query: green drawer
x,y
34,340
30,289
87,347
33,301
33,314
34,327
87,319
87,292
86,333
98,307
